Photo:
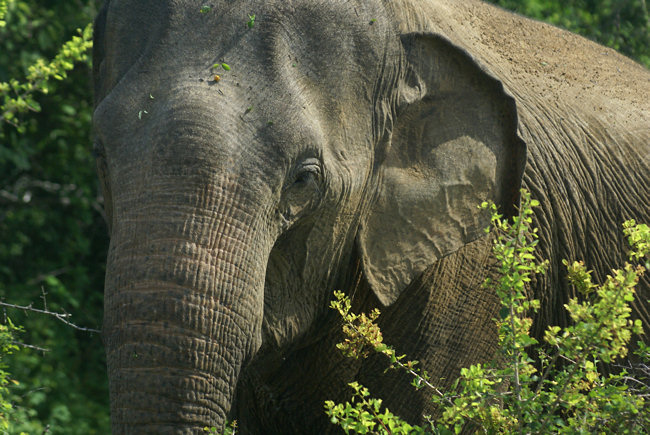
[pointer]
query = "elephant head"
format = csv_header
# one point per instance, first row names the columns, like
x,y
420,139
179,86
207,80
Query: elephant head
x,y
244,162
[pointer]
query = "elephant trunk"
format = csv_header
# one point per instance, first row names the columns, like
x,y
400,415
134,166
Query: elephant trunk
x,y
183,309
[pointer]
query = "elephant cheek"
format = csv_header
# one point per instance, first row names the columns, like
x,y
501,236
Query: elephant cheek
x,y
181,318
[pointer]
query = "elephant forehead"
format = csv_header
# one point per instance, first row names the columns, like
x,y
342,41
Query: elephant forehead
x,y
303,68
168,36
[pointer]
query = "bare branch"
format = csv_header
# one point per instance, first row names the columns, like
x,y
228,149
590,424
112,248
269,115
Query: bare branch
x,y
30,346
60,316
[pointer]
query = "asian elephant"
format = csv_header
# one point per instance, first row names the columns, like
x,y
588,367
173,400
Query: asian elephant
x,y
255,156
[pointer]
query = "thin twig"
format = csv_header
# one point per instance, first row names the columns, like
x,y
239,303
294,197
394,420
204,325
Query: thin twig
x,y
30,346
398,362
59,316
550,366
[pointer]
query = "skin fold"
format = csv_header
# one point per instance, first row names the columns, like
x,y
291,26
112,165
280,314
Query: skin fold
x,y
345,145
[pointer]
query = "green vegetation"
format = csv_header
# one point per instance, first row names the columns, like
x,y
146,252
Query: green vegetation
x,y
566,393
18,98
230,429
7,347
53,238
225,66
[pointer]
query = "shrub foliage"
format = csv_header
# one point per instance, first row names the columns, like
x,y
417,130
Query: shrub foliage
x,y
53,238
565,389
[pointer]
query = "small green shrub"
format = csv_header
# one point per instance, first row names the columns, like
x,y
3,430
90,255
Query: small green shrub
x,y
18,98
3,13
564,393
7,347
229,429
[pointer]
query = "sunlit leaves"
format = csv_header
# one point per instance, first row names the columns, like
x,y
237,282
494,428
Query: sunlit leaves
x,y
564,390
18,97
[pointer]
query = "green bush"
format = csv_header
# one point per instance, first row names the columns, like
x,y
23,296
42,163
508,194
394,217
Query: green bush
x,y
7,347
54,239
562,391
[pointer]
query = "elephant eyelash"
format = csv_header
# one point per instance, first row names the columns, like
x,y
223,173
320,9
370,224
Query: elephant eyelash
x,y
310,168
306,172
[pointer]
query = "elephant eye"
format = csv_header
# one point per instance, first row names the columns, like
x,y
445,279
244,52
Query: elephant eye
x,y
303,192
309,171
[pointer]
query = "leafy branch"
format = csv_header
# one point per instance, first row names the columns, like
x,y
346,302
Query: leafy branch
x,y
3,13
568,394
363,336
7,347
18,98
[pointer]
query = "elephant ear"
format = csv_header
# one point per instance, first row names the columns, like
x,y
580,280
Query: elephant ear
x,y
454,145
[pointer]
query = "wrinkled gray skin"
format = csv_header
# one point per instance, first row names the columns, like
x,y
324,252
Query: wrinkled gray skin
x,y
346,148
